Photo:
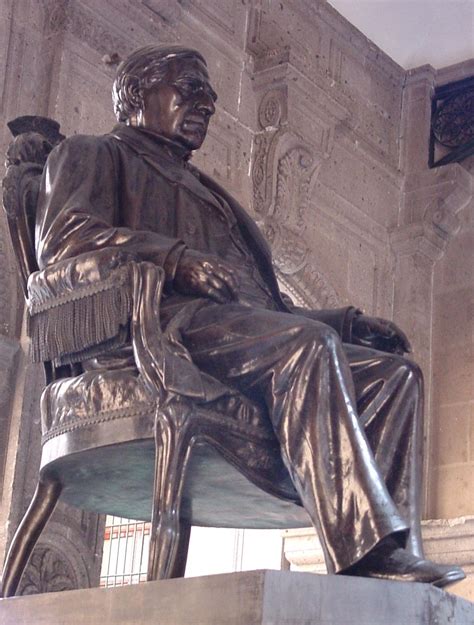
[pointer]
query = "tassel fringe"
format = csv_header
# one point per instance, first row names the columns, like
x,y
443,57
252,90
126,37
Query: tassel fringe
x,y
82,328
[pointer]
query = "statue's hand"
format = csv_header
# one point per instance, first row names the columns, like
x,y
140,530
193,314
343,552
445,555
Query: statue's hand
x,y
379,334
205,275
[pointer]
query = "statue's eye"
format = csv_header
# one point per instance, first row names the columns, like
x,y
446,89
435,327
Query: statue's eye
x,y
190,87
186,87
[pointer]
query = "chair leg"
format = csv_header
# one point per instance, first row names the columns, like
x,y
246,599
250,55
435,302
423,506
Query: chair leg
x,y
169,534
181,550
41,507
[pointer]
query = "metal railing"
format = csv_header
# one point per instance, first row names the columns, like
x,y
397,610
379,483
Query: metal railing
x,y
125,555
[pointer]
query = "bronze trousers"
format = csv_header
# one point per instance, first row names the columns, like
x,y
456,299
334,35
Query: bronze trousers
x,y
348,419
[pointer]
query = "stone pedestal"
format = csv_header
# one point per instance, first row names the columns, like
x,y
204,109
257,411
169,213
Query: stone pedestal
x,y
253,598
447,541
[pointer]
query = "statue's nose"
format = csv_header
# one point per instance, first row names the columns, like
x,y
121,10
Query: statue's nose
x,y
205,103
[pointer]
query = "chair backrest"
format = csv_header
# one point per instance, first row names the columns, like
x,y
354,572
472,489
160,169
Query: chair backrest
x,y
34,138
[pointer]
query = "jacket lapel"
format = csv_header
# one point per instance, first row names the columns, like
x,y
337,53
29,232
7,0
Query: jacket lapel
x,y
255,240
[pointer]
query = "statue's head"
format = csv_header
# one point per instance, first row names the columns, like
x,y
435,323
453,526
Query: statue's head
x,y
165,90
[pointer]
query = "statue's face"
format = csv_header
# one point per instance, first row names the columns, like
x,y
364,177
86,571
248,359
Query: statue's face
x,y
179,108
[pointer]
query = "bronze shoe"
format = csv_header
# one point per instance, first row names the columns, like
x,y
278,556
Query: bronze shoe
x,y
400,565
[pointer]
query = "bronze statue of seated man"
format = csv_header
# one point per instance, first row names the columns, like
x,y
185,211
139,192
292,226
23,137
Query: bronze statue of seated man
x,y
344,403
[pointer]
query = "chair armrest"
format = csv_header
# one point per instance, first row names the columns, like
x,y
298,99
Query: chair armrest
x,y
80,307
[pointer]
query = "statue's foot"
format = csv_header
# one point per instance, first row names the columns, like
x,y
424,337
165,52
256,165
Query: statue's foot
x,y
400,565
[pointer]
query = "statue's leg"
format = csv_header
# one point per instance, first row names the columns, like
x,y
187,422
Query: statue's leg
x,y
389,391
41,507
299,367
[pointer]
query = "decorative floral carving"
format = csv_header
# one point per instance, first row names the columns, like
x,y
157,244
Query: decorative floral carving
x,y
293,259
318,284
271,109
309,288
259,173
294,173
47,571
289,250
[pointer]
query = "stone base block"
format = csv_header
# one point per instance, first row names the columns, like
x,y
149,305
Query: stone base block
x,y
251,598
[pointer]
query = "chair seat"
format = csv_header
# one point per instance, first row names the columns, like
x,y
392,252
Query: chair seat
x,y
104,457
91,398
118,479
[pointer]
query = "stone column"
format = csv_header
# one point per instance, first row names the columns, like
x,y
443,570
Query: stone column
x,y
428,220
431,210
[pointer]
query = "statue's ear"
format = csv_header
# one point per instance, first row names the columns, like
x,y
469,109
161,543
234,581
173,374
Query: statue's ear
x,y
134,93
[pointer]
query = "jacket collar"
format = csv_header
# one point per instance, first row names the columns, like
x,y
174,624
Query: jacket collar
x,y
164,156
148,142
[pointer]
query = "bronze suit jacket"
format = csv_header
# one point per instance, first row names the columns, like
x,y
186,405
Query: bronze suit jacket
x,y
128,190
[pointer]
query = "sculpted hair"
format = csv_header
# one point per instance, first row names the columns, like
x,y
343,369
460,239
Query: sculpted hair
x,y
144,68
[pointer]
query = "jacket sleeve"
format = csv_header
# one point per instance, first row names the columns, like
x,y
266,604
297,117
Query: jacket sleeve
x,y
78,208
340,319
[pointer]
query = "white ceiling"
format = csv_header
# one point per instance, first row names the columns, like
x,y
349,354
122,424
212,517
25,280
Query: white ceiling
x,y
415,32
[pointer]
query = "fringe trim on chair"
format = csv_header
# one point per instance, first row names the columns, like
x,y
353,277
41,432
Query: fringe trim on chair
x,y
67,331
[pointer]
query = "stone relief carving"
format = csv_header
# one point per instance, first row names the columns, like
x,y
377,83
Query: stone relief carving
x,y
441,219
260,183
272,120
432,203
272,111
62,558
309,288
295,172
282,174
47,571
289,251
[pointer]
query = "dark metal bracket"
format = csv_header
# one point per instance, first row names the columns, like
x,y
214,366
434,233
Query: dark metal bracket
x,y
452,123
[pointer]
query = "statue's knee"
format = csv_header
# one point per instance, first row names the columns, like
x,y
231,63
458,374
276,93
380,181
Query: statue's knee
x,y
411,368
414,370
321,335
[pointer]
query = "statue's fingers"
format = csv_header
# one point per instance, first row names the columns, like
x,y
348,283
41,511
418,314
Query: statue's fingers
x,y
229,279
400,338
216,284
232,284
216,295
404,343
399,350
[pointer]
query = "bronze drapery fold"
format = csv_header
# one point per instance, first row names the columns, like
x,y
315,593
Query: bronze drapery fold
x,y
303,373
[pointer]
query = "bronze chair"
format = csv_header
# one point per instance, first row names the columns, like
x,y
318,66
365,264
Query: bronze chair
x,y
111,443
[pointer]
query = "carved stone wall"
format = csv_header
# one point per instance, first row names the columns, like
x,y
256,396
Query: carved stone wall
x,y
326,186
